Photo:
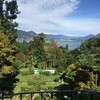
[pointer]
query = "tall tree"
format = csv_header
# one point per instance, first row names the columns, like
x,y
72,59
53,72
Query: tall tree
x,y
8,12
7,71
36,47
53,53
90,56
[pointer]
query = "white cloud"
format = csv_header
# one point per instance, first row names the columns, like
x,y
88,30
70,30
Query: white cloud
x,y
49,16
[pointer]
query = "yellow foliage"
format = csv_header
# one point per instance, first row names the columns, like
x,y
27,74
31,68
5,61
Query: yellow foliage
x,y
6,49
80,78
7,70
6,55
4,40
71,68
82,86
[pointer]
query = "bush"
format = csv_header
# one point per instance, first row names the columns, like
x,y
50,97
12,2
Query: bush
x,y
96,88
50,88
37,98
24,73
43,83
47,73
60,69
24,89
56,79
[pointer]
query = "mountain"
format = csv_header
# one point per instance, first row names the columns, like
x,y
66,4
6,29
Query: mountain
x,y
71,38
98,34
86,37
22,33
28,36
25,35
59,37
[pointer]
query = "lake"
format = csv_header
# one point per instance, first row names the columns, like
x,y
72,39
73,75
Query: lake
x,y
72,44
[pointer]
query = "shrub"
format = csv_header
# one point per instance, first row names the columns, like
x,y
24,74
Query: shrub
x,y
60,69
24,73
47,73
56,79
96,88
37,98
50,88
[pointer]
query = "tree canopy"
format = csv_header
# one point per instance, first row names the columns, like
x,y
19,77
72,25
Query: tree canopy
x,y
7,70
84,73
8,12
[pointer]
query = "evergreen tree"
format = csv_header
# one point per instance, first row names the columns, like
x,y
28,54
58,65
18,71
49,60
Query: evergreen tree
x,y
8,12
36,47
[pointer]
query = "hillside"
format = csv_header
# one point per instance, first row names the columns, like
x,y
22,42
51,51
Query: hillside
x,y
25,35
28,36
86,37
98,34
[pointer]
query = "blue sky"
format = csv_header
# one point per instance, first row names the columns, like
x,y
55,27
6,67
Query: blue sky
x,y
88,9
68,17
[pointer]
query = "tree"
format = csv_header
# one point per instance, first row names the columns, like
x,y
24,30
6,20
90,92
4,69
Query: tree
x,y
22,47
8,12
53,53
7,70
90,56
78,78
86,61
92,47
36,48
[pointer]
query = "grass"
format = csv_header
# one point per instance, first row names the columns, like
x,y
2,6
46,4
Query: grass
x,y
30,82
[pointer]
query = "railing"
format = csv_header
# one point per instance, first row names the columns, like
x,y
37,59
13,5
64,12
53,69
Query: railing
x,y
53,95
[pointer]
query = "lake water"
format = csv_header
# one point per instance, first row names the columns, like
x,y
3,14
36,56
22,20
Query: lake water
x,y
72,44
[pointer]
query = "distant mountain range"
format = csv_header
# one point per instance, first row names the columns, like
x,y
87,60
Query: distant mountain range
x,y
28,36
58,37
23,35
86,37
98,34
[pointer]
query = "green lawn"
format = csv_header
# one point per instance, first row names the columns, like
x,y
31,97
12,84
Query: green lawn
x,y
30,82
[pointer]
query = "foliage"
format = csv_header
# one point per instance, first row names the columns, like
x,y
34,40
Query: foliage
x,y
22,47
78,78
7,70
21,56
53,54
86,61
30,82
47,73
56,79
85,72
90,56
92,47
42,65
8,12
37,98
36,47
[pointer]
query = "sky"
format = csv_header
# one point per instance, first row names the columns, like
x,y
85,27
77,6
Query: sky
x,y
67,17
